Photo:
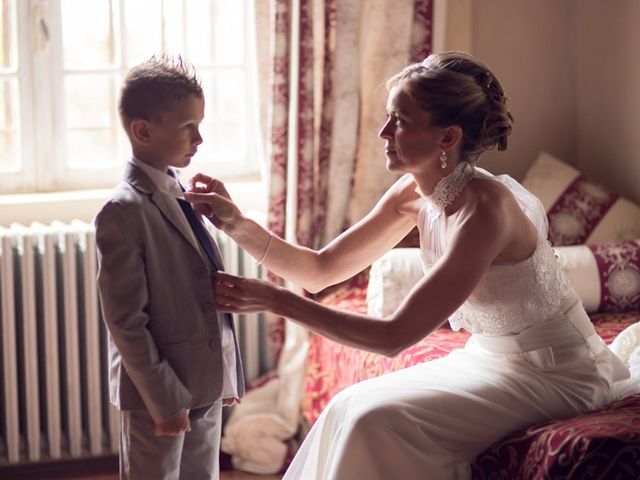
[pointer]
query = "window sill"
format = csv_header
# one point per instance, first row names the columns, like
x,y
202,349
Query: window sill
x,y
83,204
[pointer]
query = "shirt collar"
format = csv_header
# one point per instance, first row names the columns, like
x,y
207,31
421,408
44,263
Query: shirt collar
x,y
165,183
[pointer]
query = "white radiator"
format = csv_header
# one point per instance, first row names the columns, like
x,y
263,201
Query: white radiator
x,y
53,362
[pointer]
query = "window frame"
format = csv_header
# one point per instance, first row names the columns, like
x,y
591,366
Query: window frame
x,y
42,127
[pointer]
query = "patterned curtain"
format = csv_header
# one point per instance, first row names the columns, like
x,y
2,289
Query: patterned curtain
x,y
395,34
326,102
323,64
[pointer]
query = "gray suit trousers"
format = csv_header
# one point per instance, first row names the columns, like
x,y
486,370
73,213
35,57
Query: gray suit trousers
x,y
191,456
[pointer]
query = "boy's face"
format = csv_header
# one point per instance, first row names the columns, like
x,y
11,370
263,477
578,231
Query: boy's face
x,y
174,138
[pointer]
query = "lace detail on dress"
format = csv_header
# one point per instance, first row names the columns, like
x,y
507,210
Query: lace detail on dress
x,y
449,187
508,298
447,190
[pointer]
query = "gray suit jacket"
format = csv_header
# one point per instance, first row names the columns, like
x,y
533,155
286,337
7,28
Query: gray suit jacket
x,y
157,302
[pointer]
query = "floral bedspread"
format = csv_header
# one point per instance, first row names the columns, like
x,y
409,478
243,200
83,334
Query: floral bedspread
x,y
604,444
599,445
332,366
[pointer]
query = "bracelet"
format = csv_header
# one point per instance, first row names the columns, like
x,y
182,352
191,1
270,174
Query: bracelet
x,y
266,250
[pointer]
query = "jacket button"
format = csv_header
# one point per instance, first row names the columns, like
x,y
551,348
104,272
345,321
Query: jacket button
x,y
201,269
208,307
212,343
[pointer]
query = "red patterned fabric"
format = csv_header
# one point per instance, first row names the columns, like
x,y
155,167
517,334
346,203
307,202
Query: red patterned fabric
x,y
619,269
277,146
422,30
609,325
578,211
599,445
604,444
315,74
306,227
350,365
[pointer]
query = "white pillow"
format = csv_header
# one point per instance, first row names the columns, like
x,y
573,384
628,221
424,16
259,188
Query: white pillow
x,y
579,210
605,276
581,269
391,278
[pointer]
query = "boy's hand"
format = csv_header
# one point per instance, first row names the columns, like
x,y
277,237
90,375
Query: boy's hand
x,y
176,425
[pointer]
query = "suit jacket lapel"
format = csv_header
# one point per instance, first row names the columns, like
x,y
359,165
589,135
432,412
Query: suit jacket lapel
x,y
162,202
141,182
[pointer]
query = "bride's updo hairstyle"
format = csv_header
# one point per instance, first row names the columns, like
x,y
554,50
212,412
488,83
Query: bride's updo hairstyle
x,y
457,89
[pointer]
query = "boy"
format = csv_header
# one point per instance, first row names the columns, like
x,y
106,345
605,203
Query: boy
x,y
174,359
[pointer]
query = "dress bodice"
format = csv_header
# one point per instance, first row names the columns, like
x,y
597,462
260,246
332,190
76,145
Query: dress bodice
x,y
509,297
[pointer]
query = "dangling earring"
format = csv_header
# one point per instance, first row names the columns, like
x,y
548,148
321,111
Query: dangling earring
x,y
443,160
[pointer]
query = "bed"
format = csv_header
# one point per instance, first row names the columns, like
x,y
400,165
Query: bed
x,y
603,263
604,444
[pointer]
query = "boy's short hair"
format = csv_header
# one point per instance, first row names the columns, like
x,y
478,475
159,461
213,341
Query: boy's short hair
x,y
150,87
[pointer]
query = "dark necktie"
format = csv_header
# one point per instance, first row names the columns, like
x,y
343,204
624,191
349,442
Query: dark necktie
x,y
198,229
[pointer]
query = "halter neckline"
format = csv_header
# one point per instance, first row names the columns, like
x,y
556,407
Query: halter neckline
x,y
448,188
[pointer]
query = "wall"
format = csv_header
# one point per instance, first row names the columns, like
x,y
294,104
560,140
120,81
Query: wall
x,y
527,44
607,43
572,71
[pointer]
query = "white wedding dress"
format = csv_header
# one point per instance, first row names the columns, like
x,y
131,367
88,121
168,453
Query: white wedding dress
x,y
533,356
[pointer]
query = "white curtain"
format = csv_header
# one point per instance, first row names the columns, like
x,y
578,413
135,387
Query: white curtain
x,y
323,64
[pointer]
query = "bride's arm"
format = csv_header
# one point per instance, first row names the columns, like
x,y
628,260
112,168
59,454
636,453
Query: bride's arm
x,y
343,257
475,243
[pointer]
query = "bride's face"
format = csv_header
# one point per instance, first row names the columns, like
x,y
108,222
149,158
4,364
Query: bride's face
x,y
411,142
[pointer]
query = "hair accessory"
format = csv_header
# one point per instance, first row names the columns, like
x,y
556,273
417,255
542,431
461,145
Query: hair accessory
x,y
443,160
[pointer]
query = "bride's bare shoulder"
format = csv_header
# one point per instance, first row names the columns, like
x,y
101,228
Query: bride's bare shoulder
x,y
403,188
490,205
483,202
402,195
494,210
489,194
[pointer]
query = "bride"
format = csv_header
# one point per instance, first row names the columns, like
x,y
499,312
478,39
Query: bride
x,y
533,355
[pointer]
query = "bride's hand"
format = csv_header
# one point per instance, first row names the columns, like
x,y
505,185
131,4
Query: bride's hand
x,y
244,295
211,199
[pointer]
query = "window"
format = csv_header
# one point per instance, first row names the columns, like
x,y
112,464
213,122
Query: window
x,y
61,65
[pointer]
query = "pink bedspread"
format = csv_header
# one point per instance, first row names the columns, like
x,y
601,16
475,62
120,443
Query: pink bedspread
x,y
603,444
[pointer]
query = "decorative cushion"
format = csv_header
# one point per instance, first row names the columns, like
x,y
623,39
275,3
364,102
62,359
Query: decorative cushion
x,y
579,210
391,278
606,276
